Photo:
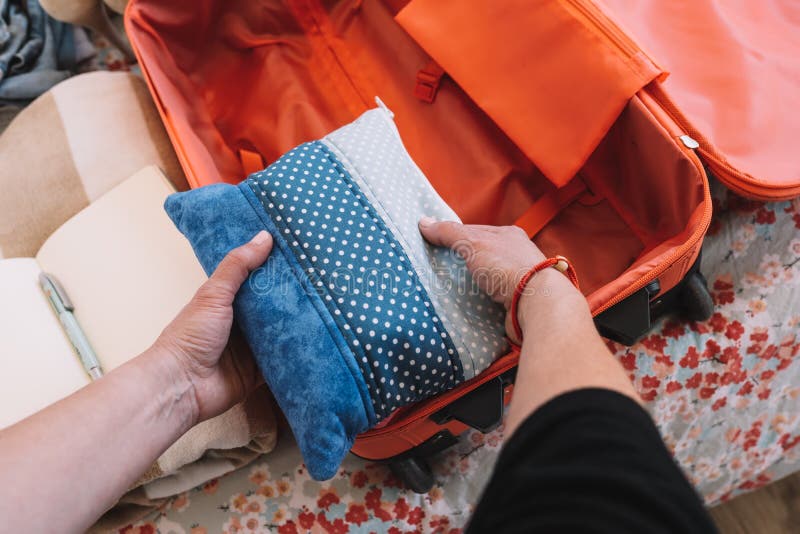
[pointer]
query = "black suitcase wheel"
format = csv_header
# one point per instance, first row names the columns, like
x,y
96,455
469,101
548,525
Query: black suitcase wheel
x,y
696,300
414,472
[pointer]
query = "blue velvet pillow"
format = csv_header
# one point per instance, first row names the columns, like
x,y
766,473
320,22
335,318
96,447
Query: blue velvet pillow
x,y
353,315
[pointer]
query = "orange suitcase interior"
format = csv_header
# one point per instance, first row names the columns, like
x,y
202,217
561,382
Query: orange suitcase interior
x,y
239,82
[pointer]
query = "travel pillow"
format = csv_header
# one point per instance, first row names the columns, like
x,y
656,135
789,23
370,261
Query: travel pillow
x,y
353,315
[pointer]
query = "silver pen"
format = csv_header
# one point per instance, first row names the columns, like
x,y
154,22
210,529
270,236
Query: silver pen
x,y
63,307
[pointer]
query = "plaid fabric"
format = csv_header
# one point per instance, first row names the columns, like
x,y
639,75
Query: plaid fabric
x,y
76,141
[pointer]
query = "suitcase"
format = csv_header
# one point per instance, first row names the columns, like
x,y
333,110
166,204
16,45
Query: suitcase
x,y
544,114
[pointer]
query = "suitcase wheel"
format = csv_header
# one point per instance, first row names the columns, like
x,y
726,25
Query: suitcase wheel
x,y
695,298
414,472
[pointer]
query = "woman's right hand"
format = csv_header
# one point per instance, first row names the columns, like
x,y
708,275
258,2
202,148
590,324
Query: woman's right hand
x,y
498,257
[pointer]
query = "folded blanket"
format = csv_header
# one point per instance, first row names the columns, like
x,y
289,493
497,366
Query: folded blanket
x,y
207,451
353,315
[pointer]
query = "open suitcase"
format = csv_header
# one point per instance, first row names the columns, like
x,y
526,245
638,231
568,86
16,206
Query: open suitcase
x,y
543,114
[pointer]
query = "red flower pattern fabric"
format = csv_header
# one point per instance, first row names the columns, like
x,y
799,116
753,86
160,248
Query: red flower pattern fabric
x,y
725,394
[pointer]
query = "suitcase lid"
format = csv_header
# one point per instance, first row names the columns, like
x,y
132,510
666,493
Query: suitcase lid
x,y
734,71
733,84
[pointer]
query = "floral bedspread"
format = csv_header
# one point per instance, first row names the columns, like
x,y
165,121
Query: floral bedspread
x,y
725,394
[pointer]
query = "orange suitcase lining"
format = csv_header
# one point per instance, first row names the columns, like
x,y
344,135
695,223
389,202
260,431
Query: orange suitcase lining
x,y
556,90
265,82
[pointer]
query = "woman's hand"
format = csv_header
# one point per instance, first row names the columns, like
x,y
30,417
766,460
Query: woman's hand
x,y
197,338
130,416
567,352
498,257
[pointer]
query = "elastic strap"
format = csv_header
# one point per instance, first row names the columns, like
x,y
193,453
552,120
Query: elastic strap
x,y
251,161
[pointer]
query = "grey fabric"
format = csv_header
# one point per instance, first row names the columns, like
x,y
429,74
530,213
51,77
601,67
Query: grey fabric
x,y
372,151
36,51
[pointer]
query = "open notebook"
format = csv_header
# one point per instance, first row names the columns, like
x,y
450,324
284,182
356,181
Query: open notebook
x,y
128,272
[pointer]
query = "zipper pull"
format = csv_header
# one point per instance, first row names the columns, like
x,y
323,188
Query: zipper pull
x,y
688,142
384,107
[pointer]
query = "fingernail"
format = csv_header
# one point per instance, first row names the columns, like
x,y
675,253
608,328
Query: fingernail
x,y
260,238
427,221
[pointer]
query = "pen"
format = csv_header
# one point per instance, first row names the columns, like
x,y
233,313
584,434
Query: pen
x,y
63,307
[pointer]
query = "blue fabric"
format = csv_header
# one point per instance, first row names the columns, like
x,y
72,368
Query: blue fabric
x,y
298,347
363,275
36,51
337,318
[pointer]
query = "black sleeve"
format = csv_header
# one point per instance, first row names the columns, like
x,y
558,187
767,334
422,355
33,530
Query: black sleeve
x,y
590,460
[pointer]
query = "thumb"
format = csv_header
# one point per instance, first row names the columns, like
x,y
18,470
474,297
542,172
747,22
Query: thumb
x,y
442,233
235,267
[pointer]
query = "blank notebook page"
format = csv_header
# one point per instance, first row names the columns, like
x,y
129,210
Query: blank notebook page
x,y
37,363
124,265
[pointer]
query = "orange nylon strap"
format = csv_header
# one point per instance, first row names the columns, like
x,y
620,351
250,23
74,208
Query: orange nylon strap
x,y
548,206
251,161
559,263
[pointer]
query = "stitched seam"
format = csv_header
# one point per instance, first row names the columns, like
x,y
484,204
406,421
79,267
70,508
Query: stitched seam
x,y
304,281
416,260
456,362
305,265
357,351
387,119
421,176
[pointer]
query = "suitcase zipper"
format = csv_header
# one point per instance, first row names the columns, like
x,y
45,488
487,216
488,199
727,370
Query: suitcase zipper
x,y
513,357
607,28
314,20
733,178
696,236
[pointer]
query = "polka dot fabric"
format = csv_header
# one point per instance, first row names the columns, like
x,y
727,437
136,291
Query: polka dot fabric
x,y
372,150
363,275
353,315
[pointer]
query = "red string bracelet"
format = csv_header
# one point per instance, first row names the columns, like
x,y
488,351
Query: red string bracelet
x,y
559,263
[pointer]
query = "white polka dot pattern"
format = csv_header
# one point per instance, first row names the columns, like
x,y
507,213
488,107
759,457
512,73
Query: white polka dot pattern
x,y
362,274
372,151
